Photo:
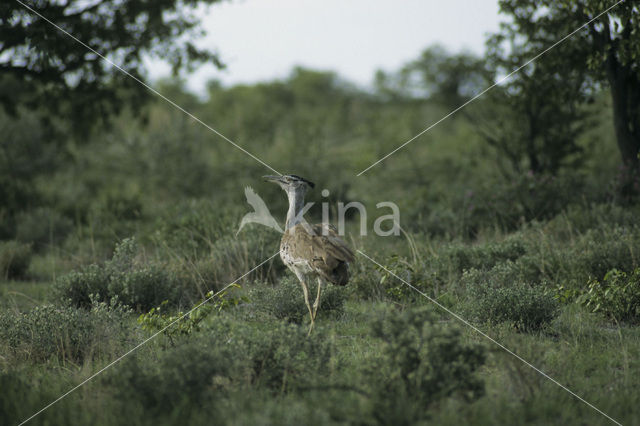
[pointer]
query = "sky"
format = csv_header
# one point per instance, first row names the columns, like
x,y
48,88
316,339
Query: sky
x,y
262,40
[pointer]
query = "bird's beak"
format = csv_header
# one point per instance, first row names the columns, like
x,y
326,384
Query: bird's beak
x,y
276,179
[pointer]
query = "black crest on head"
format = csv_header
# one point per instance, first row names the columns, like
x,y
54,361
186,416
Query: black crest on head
x,y
311,184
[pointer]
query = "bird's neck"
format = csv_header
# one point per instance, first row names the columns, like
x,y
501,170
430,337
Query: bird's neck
x,y
296,204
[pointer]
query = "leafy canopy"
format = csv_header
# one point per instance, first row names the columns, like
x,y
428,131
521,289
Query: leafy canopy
x,y
43,66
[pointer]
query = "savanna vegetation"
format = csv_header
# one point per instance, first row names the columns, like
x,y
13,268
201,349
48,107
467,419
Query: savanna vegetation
x,y
119,213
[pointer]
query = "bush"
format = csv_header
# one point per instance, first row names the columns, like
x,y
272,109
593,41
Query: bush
x,y
65,333
42,226
230,358
617,296
435,273
422,362
284,358
285,300
501,275
185,324
177,380
191,227
581,218
138,286
524,198
14,259
464,257
207,255
364,282
603,249
525,307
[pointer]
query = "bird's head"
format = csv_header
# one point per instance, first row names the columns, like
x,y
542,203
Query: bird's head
x,y
291,183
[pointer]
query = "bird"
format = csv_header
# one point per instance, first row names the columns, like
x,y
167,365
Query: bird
x,y
311,251
261,213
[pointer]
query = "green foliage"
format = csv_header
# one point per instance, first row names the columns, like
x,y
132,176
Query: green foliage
x,y
204,251
14,259
181,324
603,249
423,361
523,198
463,257
616,296
285,300
179,379
552,91
42,226
365,283
127,30
394,288
67,334
136,285
230,359
524,307
284,358
449,79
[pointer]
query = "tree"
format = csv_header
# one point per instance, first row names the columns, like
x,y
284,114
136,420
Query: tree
x,y
449,79
41,66
535,118
611,57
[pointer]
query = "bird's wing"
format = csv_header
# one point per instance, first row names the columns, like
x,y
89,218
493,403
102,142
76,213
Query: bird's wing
x,y
324,253
327,237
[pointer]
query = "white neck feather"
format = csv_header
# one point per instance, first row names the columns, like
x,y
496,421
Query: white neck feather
x,y
296,203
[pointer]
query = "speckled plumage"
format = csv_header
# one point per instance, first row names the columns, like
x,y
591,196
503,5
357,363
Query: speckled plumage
x,y
311,251
320,252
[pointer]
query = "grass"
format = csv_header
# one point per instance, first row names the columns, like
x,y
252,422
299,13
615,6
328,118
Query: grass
x,y
375,357
595,359
23,295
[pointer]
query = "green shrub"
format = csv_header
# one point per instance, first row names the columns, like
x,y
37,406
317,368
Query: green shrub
x,y
138,286
601,250
501,275
525,307
177,380
524,198
364,282
436,272
285,300
191,227
617,296
230,357
422,361
464,257
42,226
581,218
65,333
284,358
206,254
181,324
14,259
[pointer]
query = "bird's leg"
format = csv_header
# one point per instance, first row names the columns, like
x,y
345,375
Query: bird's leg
x,y
305,290
316,304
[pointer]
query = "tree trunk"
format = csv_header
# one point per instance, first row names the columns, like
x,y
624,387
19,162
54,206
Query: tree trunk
x,y
624,95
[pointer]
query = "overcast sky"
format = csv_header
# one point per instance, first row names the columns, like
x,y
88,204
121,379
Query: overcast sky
x,y
263,39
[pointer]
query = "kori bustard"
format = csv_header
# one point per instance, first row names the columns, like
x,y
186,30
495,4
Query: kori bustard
x,y
311,251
